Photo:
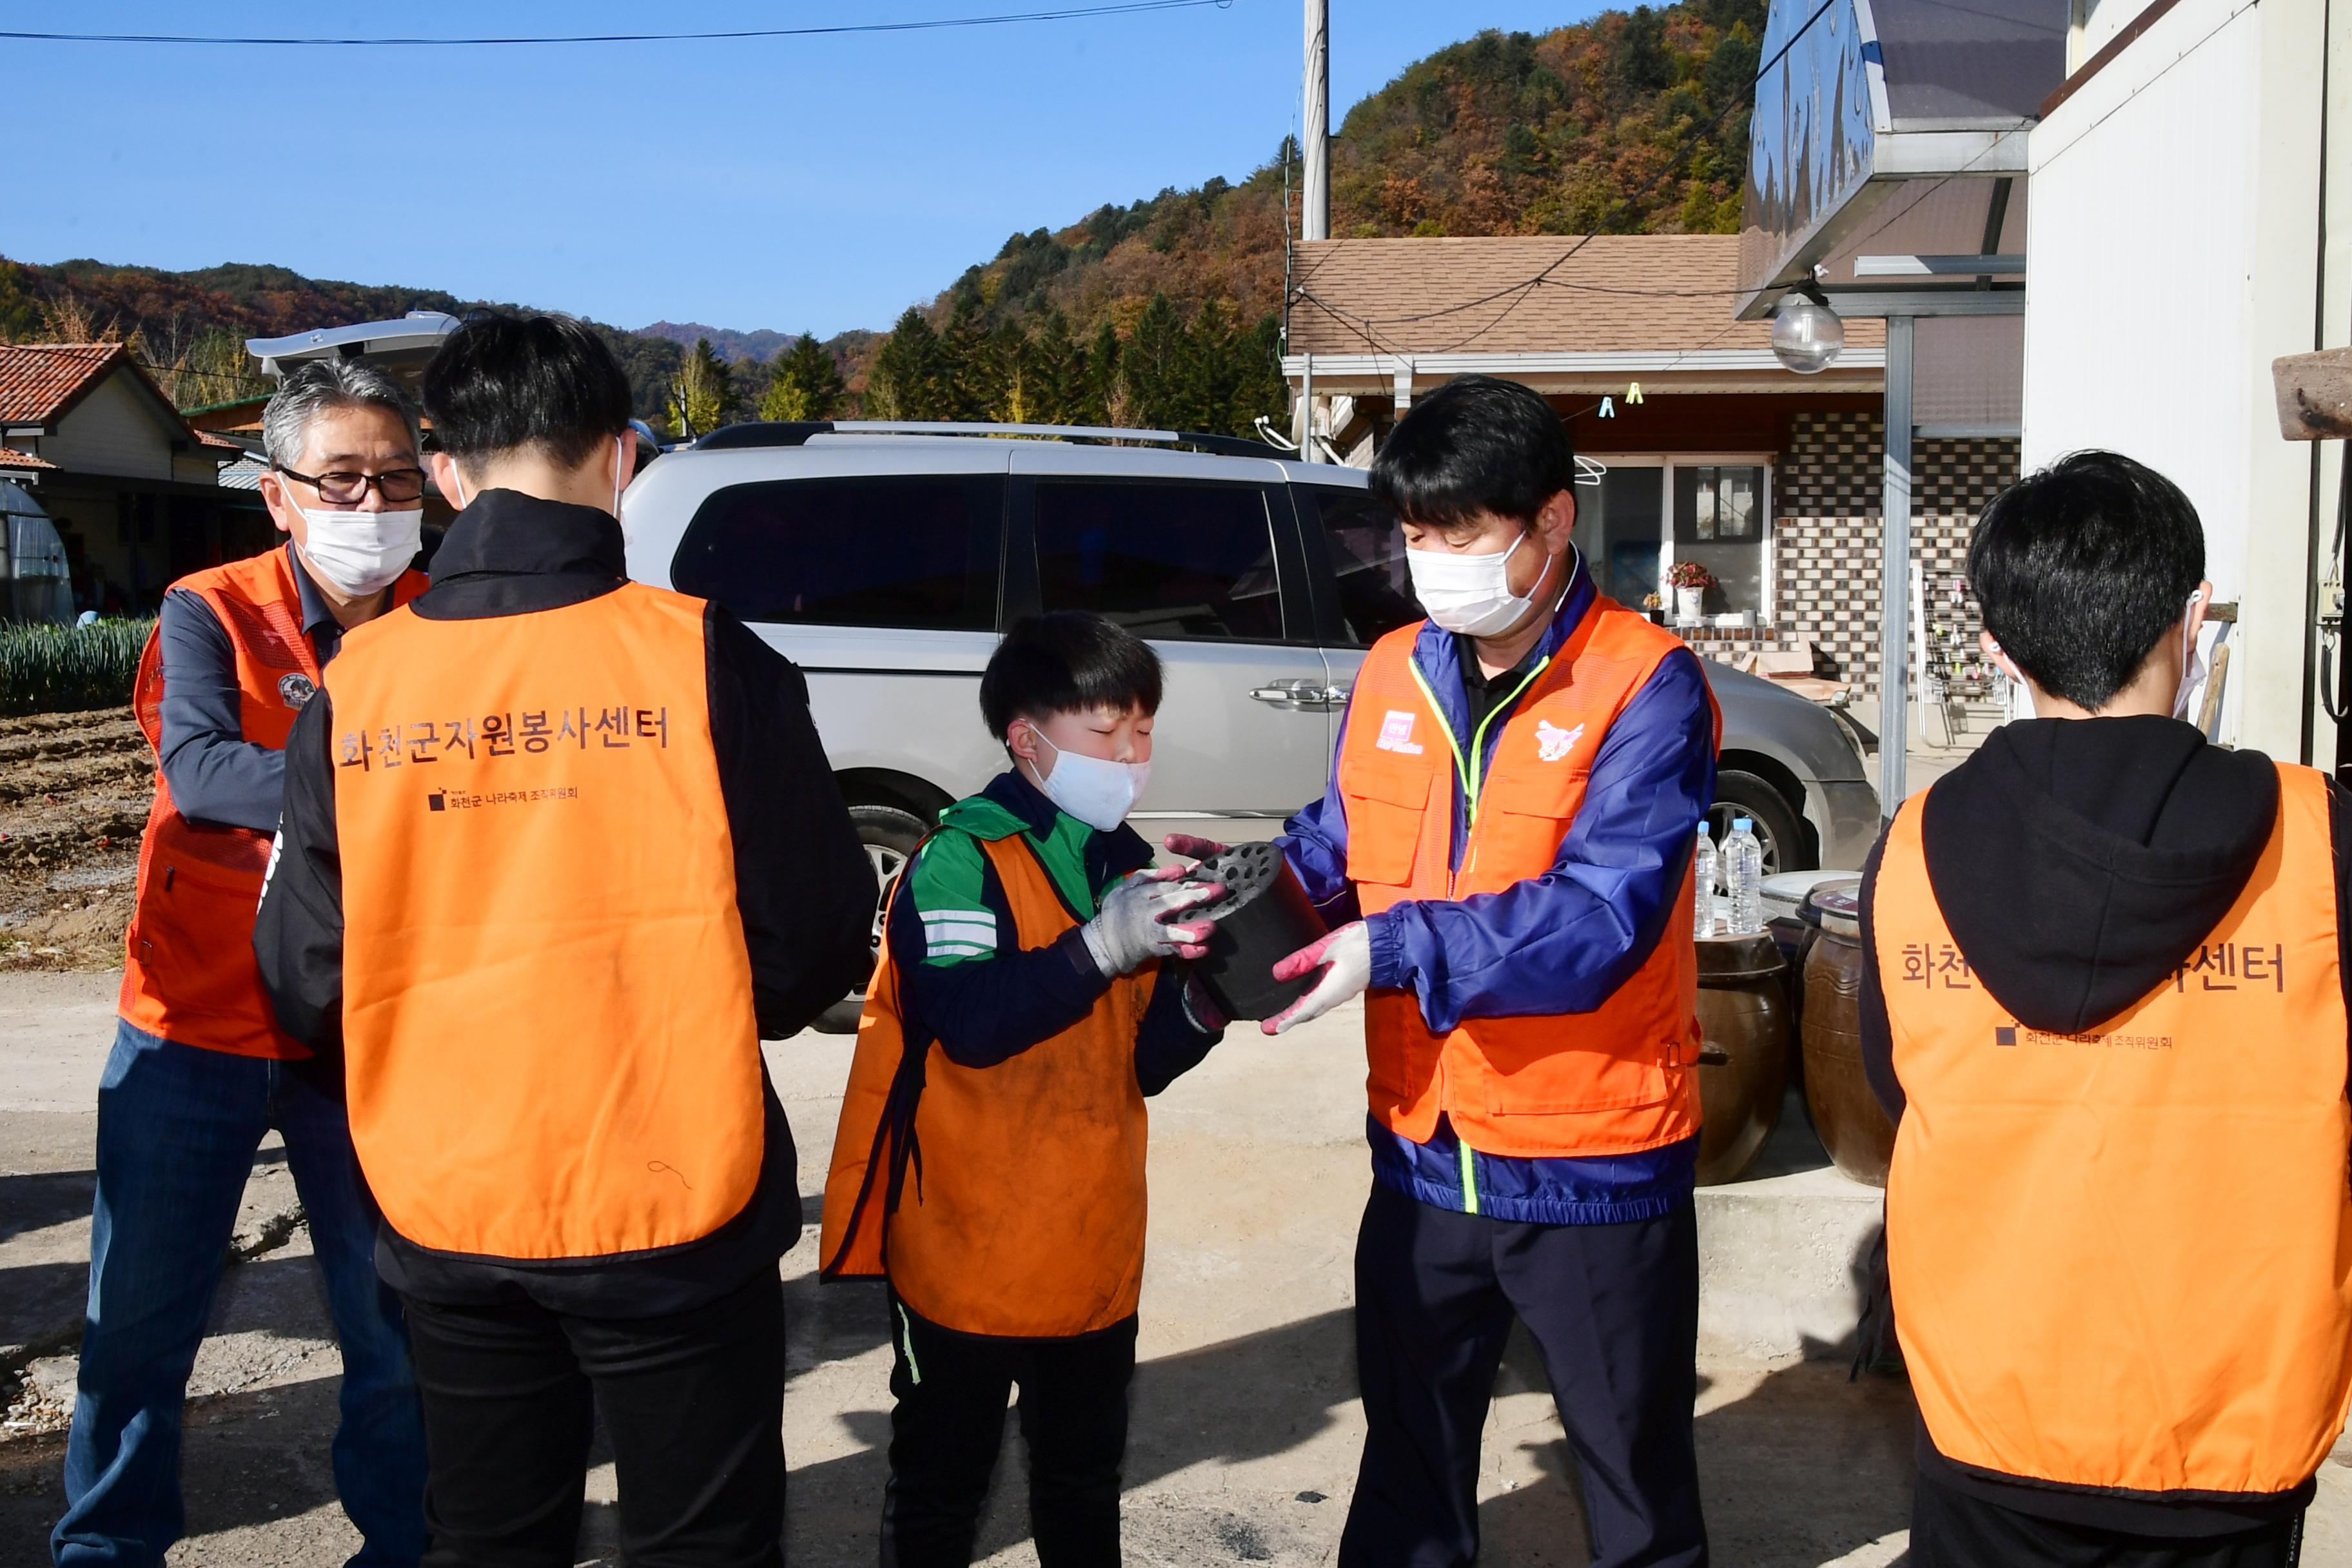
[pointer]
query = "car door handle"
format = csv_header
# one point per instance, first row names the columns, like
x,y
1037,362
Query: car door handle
x,y
1300,695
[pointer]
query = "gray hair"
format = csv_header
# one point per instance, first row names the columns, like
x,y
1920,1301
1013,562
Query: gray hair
x,y
316,387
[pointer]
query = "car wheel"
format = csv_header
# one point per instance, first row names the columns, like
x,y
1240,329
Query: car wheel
x,y
890,835
1773,819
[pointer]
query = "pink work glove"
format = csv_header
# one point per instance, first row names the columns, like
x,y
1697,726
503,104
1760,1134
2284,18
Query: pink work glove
x,y
1345,957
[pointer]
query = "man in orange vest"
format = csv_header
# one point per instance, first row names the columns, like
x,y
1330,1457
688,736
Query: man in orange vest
x,y
200,1071
2105,1003
1506,850
558,850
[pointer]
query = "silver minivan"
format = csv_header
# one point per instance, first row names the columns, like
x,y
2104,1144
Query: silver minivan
x,y
883,559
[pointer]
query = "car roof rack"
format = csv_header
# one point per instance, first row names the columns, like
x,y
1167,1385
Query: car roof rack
x,y
794,432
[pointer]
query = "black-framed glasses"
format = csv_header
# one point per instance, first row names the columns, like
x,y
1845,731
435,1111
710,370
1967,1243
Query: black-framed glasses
x,y
345,489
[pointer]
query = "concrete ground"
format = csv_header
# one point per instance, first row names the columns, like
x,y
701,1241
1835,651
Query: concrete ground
x,y
1245,1426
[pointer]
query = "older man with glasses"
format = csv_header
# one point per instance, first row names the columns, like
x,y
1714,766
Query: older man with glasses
x,y
200,1071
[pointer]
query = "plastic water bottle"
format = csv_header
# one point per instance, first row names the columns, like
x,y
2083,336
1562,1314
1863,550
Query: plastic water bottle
x,y
1743,878
1703,882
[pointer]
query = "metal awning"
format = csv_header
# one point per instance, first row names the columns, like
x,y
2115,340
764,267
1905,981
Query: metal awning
x,y
402,346
1894,129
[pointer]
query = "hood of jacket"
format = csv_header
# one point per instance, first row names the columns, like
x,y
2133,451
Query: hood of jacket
x,y
2079,861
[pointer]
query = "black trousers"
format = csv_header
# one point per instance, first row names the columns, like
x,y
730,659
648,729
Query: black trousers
x,y
1613,1310
949,1423
692,1402
1951,1529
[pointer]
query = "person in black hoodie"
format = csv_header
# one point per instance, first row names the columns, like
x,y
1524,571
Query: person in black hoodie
x,y
2104,997
558,850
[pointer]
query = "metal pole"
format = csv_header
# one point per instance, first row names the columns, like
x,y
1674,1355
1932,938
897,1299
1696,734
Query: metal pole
x,y
1308,449
1894,575
1314,126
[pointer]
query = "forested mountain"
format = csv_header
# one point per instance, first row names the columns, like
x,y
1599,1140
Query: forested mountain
x,y
1165,312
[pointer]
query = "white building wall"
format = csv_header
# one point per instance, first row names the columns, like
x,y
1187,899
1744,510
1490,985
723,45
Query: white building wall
x,y
117,429
2174,238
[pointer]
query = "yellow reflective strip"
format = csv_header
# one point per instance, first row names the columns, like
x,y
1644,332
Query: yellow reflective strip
x,y
1437,711
1469,1180
1478,741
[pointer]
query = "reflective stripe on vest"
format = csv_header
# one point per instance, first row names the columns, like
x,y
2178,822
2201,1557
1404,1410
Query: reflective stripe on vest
x,y
2122,1257
1002,1200
188,971
1613,1081
547,1000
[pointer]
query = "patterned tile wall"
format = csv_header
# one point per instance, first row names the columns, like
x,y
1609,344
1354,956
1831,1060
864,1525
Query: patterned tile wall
x,y
1826,536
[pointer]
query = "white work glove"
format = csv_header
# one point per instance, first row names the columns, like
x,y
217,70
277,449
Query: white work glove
x,y
1345,957
1133,926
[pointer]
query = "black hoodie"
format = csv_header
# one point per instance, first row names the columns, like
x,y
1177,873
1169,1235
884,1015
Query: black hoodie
x,y
2078,862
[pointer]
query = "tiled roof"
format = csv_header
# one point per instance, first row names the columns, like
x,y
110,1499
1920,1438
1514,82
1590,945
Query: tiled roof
x,y
206,438
1617,292
41,381
11,458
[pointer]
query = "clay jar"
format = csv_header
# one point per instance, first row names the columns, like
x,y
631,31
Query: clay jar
x,y
1743,1062
1264,918
1847,1116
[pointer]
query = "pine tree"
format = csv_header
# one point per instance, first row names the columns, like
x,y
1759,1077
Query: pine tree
x,y
1106,395
1009,373
1152,366
807,384
908,381
702,398
963,348
1061,367
1213,371
1261,388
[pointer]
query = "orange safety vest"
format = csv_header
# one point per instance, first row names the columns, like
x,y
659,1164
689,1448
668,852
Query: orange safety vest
x,y
2123,1258
1002,1200
188,970
550,1049
1611,1082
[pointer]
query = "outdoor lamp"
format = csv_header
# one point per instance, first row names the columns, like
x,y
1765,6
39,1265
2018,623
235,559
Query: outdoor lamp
x,y
1807,335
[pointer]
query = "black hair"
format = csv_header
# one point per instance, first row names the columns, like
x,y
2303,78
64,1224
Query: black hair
x,y
1067,662
1476,444
502,382
2083,568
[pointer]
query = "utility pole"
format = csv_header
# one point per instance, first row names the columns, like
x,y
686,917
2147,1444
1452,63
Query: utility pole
x,y
1314,125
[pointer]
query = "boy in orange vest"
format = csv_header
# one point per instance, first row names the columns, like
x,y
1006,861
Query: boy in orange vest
x,y
997,1180
2105,1005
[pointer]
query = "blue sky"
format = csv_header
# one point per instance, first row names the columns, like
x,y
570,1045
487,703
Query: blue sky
x,y
794,184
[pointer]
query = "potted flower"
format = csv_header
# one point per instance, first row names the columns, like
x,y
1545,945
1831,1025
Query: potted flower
x,y
1690,582
1653,610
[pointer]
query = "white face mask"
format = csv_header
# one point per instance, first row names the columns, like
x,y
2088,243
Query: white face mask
x,y
1471,594
2020,694
1096,791
2192,661
360,552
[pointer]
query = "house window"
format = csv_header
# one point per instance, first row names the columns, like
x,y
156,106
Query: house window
x,y
1617,527
1651,509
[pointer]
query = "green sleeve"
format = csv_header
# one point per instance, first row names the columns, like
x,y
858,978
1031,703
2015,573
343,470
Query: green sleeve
x,y
948,887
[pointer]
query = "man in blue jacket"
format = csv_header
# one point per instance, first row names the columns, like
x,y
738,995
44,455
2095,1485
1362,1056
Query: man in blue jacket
x,y
1531,977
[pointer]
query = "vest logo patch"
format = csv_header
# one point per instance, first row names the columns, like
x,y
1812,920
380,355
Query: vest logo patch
x,y
296,689
1552,742
1396,734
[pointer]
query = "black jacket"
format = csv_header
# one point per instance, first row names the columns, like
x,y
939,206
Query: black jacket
x,y
2078,863
804,889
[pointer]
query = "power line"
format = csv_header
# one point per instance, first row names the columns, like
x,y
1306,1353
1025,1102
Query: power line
x,y
1000,19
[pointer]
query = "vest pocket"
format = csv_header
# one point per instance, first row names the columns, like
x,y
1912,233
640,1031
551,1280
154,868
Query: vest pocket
x,y
1385,807
1577,1081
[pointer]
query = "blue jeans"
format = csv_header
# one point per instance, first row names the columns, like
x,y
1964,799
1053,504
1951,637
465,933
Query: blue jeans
x,y
177,1128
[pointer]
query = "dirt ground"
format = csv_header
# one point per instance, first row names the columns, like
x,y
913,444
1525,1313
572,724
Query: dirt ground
x,y
74,791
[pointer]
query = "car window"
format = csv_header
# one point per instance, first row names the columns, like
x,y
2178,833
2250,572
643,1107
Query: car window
x,y
1161,560
915,550
1367,559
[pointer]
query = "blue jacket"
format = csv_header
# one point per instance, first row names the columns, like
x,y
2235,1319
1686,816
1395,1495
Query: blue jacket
x,y
1561,942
